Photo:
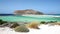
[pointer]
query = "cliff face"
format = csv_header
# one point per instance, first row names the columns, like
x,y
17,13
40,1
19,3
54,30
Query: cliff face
x,y
28,12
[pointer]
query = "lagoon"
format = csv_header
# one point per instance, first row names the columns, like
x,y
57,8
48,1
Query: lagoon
x,y
29,18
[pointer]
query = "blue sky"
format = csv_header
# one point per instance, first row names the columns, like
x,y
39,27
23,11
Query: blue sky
x,y
45,6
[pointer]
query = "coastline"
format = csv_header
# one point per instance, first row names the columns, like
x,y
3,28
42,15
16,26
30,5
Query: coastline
x,y
44,28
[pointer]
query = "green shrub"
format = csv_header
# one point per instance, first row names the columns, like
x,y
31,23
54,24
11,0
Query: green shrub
x,y
21,29
2,22
52,21
42,22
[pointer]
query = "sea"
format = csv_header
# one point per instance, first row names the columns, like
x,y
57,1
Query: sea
x,y
30,18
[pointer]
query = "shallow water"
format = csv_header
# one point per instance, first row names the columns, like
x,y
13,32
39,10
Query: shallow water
x,y
30,18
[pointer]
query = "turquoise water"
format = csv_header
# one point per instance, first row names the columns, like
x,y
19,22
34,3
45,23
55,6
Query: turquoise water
x,y
29,19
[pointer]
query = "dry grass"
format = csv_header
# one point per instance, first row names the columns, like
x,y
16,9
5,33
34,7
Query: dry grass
x,y
33,25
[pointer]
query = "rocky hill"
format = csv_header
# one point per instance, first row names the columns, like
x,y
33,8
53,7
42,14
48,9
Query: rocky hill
x,y
28,12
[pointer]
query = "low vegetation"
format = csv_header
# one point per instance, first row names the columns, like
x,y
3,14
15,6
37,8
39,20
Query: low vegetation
x,y
42,22
33,25
21,29
2,22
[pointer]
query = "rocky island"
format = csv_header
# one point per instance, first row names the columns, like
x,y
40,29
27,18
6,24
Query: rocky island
x,y
27,12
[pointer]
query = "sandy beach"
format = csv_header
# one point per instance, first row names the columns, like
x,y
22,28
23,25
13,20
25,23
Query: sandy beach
x,y
29,16
44,29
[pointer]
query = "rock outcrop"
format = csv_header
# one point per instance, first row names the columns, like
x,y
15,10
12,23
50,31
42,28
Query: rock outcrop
x,y
27,12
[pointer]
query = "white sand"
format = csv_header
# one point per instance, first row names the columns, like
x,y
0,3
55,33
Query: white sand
x,y
44,29
40,16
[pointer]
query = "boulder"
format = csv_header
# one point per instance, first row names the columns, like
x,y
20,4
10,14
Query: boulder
x,y
21,29
13,25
